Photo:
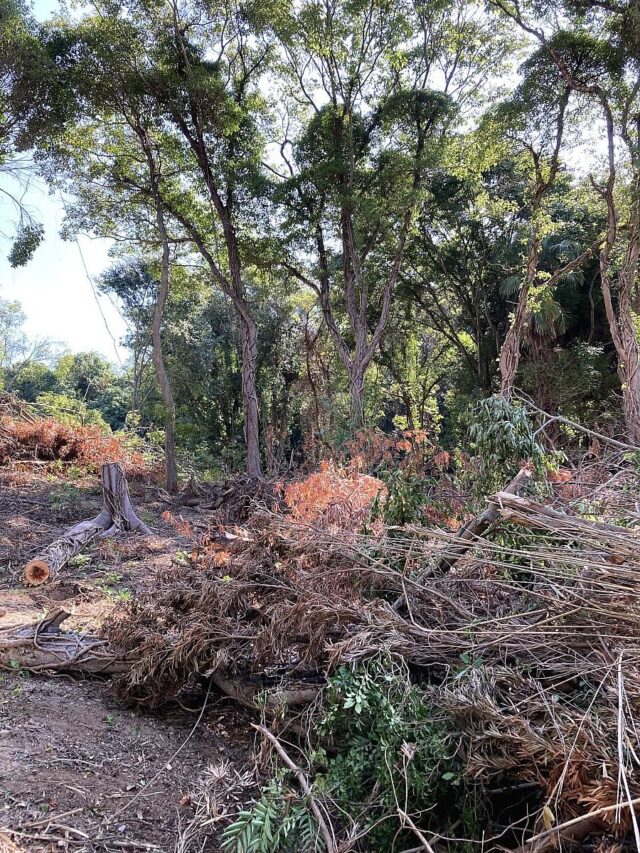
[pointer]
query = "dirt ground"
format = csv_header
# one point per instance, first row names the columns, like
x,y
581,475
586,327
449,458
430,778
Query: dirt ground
x,y
79,770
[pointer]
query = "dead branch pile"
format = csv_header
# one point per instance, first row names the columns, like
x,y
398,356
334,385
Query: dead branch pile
x,y
527,635
232,500
26,437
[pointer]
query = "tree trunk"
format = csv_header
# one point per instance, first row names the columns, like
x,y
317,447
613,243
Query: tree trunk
x,y
171,467
117,514
356,396
628,353
510,352
249,339
45,647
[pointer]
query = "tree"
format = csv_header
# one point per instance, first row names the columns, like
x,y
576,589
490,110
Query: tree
x,y
140,78
536,119
602,70
374,90
17,42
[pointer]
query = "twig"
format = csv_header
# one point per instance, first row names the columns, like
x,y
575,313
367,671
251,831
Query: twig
x,y
404,817
549,833
304,784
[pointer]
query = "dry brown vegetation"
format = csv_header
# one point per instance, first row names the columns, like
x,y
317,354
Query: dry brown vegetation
x,y
524,637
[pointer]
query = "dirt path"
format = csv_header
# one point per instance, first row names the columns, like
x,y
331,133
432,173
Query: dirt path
x,y
80,771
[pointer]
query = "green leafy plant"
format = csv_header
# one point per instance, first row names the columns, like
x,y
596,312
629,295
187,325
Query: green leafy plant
x,y
501,437
393,741
404,499
279,822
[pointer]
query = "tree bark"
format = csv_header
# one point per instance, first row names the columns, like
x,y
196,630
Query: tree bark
x,y
356,397
171,467
45,647
510,352
249,341
117,514
621,321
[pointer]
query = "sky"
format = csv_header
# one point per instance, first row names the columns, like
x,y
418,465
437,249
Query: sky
x,y
54,289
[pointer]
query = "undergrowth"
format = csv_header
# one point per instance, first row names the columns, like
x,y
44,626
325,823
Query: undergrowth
x,y
383,748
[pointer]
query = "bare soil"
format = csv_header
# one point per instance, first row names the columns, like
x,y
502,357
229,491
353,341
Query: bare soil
x,y
79,770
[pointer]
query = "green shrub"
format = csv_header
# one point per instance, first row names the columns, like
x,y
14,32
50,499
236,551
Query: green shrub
x,y
501,438
279,822
70,411
394,749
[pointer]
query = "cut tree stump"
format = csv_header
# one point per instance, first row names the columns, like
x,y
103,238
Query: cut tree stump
x,y
117,514
44,647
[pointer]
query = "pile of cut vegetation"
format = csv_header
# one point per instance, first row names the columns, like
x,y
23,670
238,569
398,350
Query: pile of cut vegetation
x,y
26,436
443,687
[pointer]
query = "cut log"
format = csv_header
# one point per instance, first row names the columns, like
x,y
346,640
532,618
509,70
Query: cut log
x,y
44,646
117,514
469,532
623,542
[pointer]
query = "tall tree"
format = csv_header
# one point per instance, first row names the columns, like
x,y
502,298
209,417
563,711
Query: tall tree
x,y
600,65
373,89
144,75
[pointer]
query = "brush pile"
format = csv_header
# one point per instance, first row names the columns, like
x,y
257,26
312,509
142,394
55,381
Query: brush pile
x,y
26,437
528,638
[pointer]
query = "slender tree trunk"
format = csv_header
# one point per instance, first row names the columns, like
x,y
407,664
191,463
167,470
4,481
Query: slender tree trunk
x,y
249,369
171,467
625,341
511,348
356,396
621,320
629,371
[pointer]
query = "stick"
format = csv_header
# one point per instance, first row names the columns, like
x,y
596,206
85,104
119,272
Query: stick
x,y
404,817
304,784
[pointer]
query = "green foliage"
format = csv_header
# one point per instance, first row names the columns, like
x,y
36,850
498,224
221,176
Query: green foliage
x,y
501,437
69,410
279,822
404,500
26,241
389,739
578,379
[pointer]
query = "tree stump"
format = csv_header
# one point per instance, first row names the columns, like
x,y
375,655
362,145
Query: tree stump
x,y
117,514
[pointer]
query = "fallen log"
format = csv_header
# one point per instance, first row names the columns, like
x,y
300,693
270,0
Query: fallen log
x,y
469,532
44,647
117,514
621,541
